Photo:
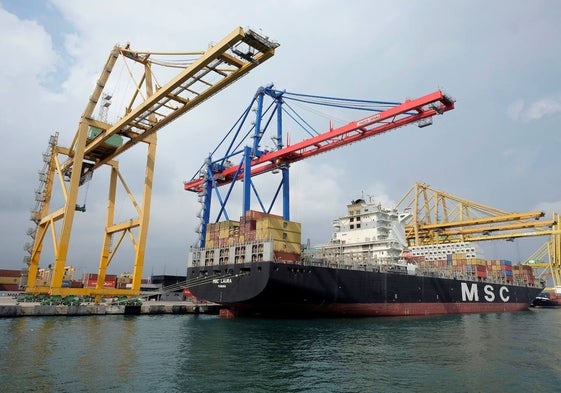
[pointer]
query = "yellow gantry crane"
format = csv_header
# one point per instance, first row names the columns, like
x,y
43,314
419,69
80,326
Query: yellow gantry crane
x,y
439,217
98,143
547,259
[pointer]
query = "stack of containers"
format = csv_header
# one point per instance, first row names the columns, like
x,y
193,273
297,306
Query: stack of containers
x,y
506,269
10,280
459,262
222,233
478,268
524,273
286,236
501,269
227,240
211,235
496,269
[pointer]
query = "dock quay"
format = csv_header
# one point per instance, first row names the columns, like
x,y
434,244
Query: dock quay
x,y
10,307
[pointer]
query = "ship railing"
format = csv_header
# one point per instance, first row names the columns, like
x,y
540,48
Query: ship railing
x,y
354,263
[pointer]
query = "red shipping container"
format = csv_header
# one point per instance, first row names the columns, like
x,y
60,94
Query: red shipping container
x,y
250,235
106,284
76,284
9,287
109,284
287,256
10,273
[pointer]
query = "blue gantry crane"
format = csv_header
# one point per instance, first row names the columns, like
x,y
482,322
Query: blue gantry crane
x,y
242,154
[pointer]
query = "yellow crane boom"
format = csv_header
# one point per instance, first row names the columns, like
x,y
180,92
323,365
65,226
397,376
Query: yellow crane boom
x,y
440,217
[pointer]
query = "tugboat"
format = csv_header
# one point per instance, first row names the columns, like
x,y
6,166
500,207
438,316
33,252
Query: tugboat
x,y
548,299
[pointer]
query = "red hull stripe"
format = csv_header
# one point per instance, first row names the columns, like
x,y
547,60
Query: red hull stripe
x,y
403,309
375,309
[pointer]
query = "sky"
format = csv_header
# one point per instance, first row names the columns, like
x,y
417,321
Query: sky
x,y
499,60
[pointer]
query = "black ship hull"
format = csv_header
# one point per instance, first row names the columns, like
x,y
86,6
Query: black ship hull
x,y
284,289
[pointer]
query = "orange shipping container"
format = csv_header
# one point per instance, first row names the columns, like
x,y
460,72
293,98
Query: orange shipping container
x,y
9,280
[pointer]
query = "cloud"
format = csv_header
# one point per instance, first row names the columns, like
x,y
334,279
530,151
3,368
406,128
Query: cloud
x,y
543,107
26,51
519,111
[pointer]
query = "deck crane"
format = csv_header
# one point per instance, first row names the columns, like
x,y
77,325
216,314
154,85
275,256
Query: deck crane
x,y
98,143
255,159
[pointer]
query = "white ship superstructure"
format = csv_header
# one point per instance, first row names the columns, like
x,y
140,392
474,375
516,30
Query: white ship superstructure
x,y
368,233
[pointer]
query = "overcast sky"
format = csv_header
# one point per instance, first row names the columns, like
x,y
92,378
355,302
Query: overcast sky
x,y
500,60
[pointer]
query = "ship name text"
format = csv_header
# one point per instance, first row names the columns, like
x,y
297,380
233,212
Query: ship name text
x,y
221,282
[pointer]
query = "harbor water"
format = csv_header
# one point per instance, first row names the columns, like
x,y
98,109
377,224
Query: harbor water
x,y
511,352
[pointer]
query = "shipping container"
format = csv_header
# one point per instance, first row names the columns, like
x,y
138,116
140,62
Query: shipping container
x,y
279,245
9,280
106,284
10,273
278,234
255,215
76,284
9,287
287,256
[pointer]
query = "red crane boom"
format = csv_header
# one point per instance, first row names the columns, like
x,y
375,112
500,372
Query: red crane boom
x,y
410,111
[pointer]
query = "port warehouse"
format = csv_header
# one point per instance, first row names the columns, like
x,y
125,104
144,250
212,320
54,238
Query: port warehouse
x,y
13,282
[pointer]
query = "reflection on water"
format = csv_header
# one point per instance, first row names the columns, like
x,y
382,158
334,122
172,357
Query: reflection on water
x,y
516,352
69,354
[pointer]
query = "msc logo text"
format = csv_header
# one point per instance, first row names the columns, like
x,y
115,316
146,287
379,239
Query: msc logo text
x,y
471,293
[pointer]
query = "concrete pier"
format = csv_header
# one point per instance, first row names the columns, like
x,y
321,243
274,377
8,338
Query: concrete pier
x,y
9,307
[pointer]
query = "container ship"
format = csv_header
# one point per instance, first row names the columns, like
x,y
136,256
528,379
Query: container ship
x,y
257,266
